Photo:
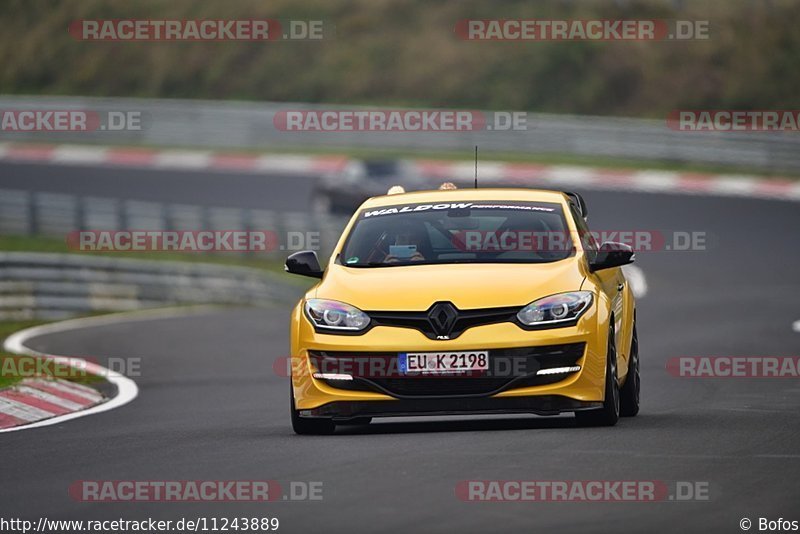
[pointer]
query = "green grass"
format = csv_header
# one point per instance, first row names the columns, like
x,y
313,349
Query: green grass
x,y
6,381
9,327
6,329
406,53
49,244
14,369
8,374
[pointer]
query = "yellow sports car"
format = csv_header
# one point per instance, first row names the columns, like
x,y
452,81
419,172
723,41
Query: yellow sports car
x,y
471,301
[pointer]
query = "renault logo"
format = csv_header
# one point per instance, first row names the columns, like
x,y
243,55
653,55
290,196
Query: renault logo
x,y
442,317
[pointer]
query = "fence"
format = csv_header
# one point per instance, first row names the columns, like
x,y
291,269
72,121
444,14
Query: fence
x,y
210,124
52,286
57,214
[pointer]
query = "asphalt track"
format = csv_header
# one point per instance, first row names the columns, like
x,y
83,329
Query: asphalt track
x,y
279,192
210,407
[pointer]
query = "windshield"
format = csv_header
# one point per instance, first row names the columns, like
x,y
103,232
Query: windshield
x,y
458,232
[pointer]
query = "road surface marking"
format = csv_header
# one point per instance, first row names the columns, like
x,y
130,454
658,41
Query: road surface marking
x,y
127,390
22,411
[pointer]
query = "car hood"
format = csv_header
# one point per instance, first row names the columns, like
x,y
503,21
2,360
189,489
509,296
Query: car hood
x,y
417,287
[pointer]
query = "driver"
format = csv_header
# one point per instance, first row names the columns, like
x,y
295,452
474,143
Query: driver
x,y
406,246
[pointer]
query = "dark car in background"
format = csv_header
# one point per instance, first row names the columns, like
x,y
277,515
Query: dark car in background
x,y
341,193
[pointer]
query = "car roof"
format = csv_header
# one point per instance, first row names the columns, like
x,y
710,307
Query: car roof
x,y
504,194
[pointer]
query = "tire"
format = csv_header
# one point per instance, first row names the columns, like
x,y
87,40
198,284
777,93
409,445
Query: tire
x,y
629,394
608,415
307,426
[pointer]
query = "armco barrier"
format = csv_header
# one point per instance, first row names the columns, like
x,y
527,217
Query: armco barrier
x,y
55,285
50,286
56,214
214,124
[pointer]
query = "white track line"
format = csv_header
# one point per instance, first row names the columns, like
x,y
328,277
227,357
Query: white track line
x,y
182,159
572,175
636,278
284,163
127,390
79,154
656,180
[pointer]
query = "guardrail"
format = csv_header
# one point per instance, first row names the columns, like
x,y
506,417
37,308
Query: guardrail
x,y
214,124
53,286
58,285
56,214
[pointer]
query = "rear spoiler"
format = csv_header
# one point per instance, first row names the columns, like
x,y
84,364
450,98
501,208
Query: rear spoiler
x,y
580,204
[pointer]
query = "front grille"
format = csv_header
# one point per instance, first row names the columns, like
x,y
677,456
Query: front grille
x,y
508,369
424,322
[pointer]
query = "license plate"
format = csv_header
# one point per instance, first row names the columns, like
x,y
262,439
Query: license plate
x,y
443,362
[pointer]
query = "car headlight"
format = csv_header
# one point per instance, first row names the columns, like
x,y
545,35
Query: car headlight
x,y
559,308
335,315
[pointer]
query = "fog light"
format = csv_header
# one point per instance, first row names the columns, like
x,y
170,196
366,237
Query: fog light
x,y
558,370
332,376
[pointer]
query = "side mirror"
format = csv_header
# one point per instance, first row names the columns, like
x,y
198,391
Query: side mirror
x,y
610,255
304,263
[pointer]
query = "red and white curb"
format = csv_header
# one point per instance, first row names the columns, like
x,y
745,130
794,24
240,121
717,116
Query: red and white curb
x,y
171,159
36,399
35,403
647,181
524,174
127,390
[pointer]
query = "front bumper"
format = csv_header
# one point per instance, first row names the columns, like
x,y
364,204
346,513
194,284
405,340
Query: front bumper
x,y
540,405
583,389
